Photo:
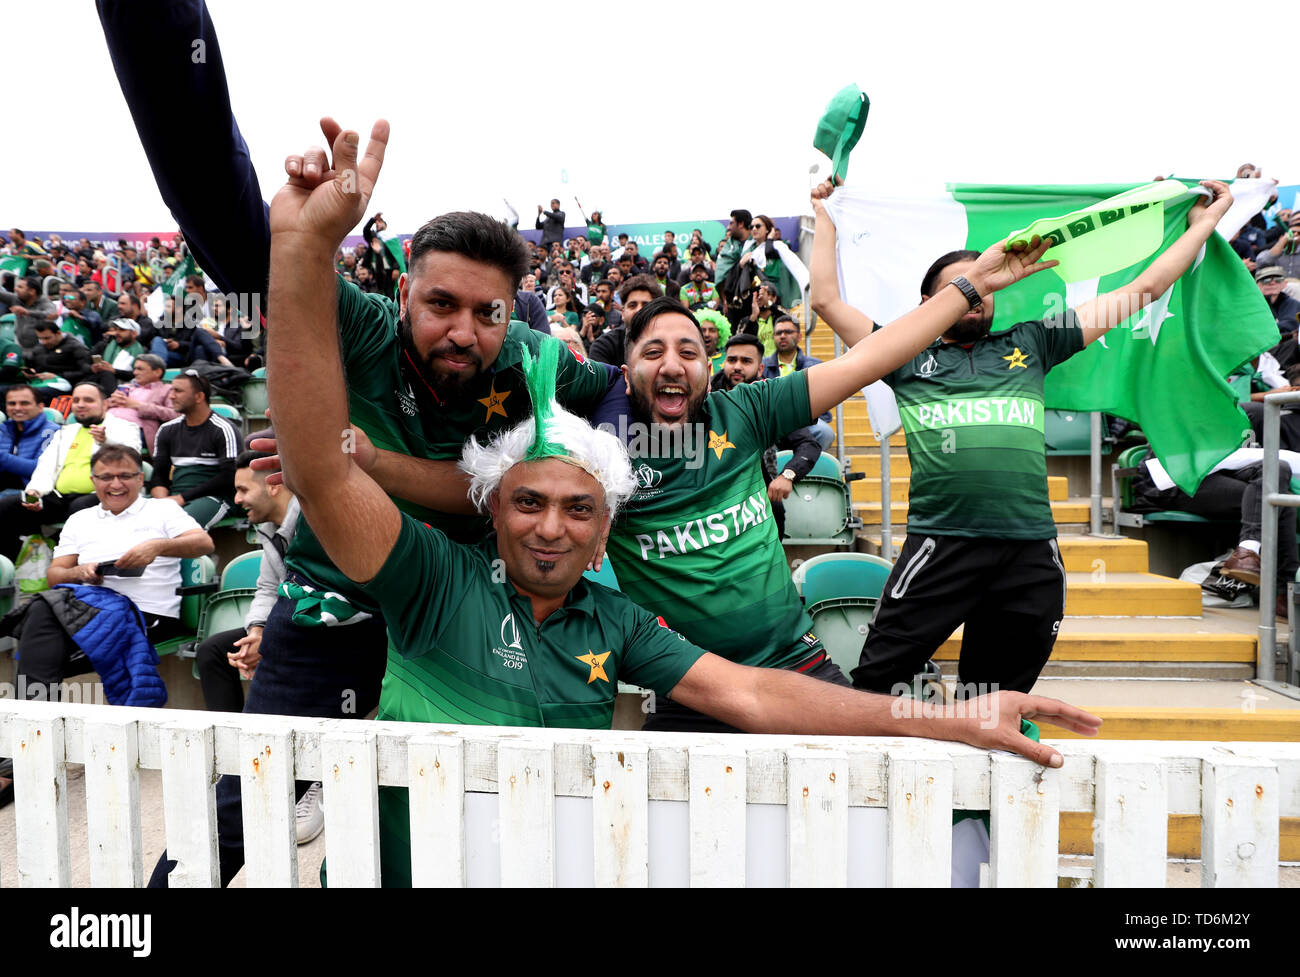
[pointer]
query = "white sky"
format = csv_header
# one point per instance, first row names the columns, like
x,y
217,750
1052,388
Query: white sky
x,y
671,112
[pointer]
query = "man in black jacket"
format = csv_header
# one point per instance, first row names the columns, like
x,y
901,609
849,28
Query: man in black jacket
x,y
551,223
58,354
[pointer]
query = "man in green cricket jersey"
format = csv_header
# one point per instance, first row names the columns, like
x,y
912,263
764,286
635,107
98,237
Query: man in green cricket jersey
x,y
981,542
697,543
507,631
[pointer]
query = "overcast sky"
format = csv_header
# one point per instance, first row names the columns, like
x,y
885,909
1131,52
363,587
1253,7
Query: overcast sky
x,y
673,111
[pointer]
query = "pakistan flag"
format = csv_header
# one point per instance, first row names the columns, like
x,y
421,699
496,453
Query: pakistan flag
x,y
1164,368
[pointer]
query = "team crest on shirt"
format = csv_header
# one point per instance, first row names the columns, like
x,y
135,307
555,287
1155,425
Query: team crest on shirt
x,y
1017,359
511,650
718,443
407,400
928,367
597,665
493,402
647,477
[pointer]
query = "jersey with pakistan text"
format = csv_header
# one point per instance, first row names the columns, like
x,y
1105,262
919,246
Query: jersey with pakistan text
x,y
974,422
697,542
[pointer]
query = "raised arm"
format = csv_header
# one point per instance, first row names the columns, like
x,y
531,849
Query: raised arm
x,y
884,350
772,700
310,216
1108,310
848,323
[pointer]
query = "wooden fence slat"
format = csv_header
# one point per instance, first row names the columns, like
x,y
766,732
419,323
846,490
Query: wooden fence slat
x,y
1131,826
437,797
189,785
113,803
620,801
350,780
526,785
817,813
40,799
270,828
1024,824
717,805
919,791
1239,826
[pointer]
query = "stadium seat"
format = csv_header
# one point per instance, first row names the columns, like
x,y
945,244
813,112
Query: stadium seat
x,y
172,374
198,583
606,575
227,411
1126,466
54,415
1069,433
819,511
841,591
260,373
242,571
255,400
7,326
7,588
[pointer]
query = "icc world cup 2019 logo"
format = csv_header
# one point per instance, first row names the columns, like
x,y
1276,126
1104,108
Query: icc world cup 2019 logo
x,y
647,477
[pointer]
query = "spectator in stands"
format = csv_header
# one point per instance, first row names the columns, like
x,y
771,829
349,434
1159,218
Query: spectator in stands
x,y
599,265
23,437
625,265
577,291
616,278
639,264
697,254
788,358
716,330
765,310
60,483
113,358
97,302
78,319
146,400
1285,251
661,269
608,302
562,312
700,293
1232,490
29,308
130,532
227,657
57,356
194,454
636,293
731,247
130,307
571,338
551,223
530,308
19,245
1285,309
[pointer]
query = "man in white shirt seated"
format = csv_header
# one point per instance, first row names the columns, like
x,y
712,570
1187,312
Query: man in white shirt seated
x,y
124,533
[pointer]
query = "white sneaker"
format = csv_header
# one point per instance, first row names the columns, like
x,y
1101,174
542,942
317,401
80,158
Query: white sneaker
x,y
310,814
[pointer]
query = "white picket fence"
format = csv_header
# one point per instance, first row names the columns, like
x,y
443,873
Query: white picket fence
x,y
574,807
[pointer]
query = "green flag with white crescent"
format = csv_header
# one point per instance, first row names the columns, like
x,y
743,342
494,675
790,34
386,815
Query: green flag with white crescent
x,y
13,263
1164,368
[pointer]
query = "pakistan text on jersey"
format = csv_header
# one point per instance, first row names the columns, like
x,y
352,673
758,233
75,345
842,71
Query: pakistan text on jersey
x,y
985,410
697,534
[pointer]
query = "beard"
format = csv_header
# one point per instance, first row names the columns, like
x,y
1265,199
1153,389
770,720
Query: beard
x,y
967,331
449,387
643,407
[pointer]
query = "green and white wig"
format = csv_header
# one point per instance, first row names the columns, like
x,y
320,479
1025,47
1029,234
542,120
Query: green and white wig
x,y
552,432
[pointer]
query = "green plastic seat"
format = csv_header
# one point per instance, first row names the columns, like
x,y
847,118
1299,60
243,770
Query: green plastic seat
x,y
55,416
606,575
225,611
227,411
255,398
198,583
7,588
1069,433
241,572
260,373
818,511
841,591
172,374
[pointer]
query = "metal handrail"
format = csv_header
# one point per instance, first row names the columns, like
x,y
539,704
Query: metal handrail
x,y
1267,659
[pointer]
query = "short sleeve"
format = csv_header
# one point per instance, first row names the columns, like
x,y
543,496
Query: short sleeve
x,y
175,520
69,539
1058,337
655,656
367,324
581,383
422,583
774,407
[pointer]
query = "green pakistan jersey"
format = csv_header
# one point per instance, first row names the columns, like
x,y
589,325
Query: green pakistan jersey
x,y
974,422
697,542
389,400
464,648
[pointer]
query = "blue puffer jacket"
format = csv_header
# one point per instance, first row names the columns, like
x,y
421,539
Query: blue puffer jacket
x,y
110,630
19,451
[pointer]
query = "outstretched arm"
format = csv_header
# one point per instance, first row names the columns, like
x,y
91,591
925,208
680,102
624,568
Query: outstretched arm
x,y
1111,309
309,218
848,323
884,350
773,700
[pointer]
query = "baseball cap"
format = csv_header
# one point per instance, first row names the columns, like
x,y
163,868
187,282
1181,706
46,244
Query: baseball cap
x,y
1271,271
841,126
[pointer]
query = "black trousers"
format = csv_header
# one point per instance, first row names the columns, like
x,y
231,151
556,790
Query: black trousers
x,y
1237,494
223,689
47,655
666,716
16,522
1009,595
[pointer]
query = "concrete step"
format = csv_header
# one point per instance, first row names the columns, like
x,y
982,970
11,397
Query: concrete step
x,y
1130,595
1101,555
1073,513
1231,725
1137,646
900,466
856,441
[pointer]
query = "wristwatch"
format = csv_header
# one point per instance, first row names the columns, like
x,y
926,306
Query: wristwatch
x,y
968,290
789,473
